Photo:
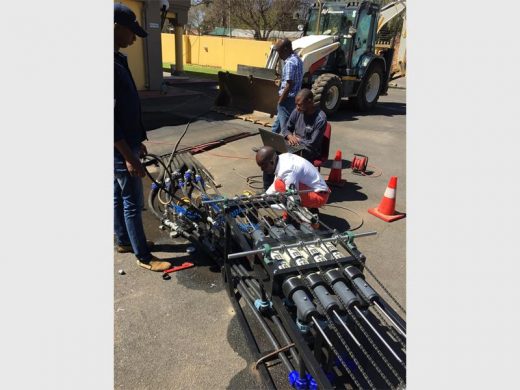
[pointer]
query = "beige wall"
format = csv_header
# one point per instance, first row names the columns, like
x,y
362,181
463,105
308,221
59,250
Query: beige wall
x,y
219,52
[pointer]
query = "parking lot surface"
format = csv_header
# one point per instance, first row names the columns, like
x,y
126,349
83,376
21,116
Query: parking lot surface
x,y
183,333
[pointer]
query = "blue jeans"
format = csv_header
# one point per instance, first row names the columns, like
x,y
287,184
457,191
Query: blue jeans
x,y
282,116
128,204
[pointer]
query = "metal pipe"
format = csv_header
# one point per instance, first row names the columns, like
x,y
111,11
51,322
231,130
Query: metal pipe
x,y
274,196
346,328
285,338
264,326
377,334
321,331
247,281
269,210
312,242
390,319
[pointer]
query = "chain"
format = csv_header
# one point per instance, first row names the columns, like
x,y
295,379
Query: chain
x,y
362,328
380,372
331,324
385,290
390,327
376,279
374,346
333,327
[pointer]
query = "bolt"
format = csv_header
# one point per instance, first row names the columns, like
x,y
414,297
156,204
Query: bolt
x,y
122,272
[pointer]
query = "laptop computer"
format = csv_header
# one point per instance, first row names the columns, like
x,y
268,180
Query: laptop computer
x,y
277,142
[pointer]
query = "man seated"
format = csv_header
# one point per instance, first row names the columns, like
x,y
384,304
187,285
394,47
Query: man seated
x,y
291,169
306,126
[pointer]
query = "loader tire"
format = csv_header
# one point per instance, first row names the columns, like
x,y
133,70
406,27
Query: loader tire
x,y
370,88
328,91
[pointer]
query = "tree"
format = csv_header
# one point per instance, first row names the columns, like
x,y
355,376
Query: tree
x,y
261,16
196,16
264,16
216,14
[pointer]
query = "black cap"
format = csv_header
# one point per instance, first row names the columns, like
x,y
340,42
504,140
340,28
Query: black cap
x,y
125,17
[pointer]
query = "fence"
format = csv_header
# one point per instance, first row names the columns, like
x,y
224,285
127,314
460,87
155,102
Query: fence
x,y
222,52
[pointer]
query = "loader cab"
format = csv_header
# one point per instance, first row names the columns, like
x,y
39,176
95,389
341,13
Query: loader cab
x,y
364,40
354,26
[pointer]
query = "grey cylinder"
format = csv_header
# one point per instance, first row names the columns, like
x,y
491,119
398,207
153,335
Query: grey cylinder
x,y
366,291
306,308
328,301
347,296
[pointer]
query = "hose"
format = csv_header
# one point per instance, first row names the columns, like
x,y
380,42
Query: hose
x,y
352,211
252,181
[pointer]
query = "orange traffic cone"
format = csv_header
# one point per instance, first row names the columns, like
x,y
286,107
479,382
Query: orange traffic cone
x,y
386,209
335,172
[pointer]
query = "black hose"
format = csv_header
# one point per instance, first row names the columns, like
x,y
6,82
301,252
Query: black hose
x,y
153,193
264,326
243,272
184,133
162,172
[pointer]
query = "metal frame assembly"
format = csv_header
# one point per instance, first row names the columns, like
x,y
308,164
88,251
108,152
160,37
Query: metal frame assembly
x,y
299,289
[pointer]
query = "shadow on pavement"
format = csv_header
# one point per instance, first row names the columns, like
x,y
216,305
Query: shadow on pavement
x,y
349,192
334,222
347,112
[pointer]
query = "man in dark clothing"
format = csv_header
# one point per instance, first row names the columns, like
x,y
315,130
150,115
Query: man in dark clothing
x,y
129,133
306,126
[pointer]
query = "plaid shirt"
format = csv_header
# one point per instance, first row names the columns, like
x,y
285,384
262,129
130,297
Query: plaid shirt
x,y
292,70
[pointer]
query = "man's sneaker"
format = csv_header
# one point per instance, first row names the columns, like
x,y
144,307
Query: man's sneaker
x,y
128,248
155,264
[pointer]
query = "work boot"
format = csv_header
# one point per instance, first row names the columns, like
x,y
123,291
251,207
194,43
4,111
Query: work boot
x,y
154,264
128,248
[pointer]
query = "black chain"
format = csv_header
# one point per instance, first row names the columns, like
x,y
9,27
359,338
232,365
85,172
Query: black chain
x,y
374,346
362,328
385,290
380,372
390,328
333,327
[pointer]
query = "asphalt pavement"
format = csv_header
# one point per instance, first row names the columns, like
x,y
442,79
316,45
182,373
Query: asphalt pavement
x,y
183,333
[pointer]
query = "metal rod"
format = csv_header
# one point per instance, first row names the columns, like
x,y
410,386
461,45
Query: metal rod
x,y
346,328
268,210
321,331
390,319
312,242
265,328
247,281
255,286
248,211
377,334
263,196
